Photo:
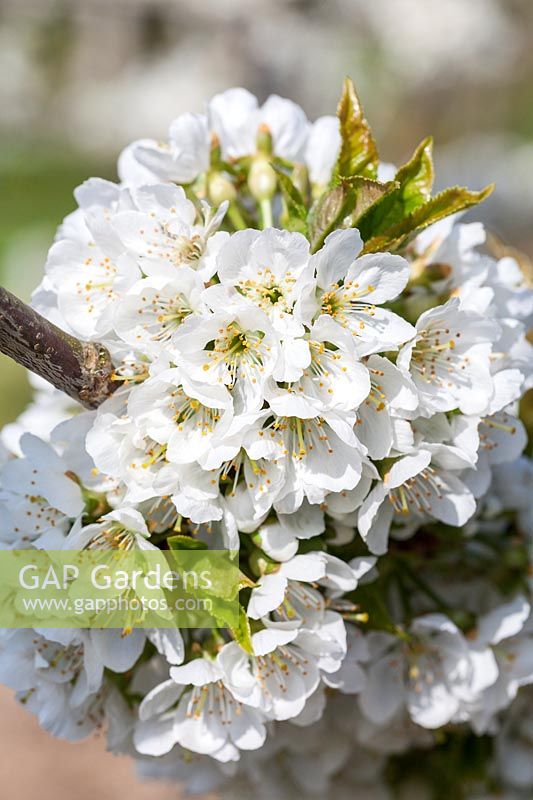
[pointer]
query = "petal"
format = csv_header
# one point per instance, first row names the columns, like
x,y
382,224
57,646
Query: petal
x,y
118,652
169,643
267,596
159,700
380,277
197,672
155,737
384,692
339,252
503,622
267,640
406,467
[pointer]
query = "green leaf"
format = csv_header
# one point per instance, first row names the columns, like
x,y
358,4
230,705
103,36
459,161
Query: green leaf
x,y
328,213
243,634
368,193
415,181
296,208
450,201
417,176
181,542
343,205
358,153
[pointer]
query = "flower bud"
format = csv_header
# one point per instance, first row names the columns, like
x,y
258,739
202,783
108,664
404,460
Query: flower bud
x,y
264,140
260,564
262,179
220,188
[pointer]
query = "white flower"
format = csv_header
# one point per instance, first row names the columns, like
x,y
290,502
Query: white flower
x,y
185,417
318,455
392,394
350,678
252,485
120,451
449,359
195,709
237,348
235,117
332,378
39,497
507,629
59,674
502,438
123,529
150,314
351,290
277,679
269,268
512,295
432,673
279,536
162,233
48,408
284,590
271,589
181,160
453,249
325,641
87,267
413,486
514,748
512,484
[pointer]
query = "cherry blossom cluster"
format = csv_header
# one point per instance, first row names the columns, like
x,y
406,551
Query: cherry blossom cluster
x,y
343,414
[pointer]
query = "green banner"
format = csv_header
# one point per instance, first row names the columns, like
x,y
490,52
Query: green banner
x,y
112,589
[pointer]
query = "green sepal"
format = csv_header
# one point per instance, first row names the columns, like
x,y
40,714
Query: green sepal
x,y
245,582
181,542
243,634
296,217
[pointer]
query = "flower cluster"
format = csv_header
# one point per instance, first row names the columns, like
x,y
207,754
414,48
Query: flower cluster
x,y
318,364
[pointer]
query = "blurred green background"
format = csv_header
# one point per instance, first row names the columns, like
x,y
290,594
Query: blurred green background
x,y
79,79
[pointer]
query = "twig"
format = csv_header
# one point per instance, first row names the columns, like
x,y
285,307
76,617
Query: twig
x,y
83,370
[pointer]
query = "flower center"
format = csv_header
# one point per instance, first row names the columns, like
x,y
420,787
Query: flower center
x,y
345,303
112,537
267,291
416,493
184,248
434,356
235,348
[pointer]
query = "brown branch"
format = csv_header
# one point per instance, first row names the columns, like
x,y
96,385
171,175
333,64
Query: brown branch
x,y
83,370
